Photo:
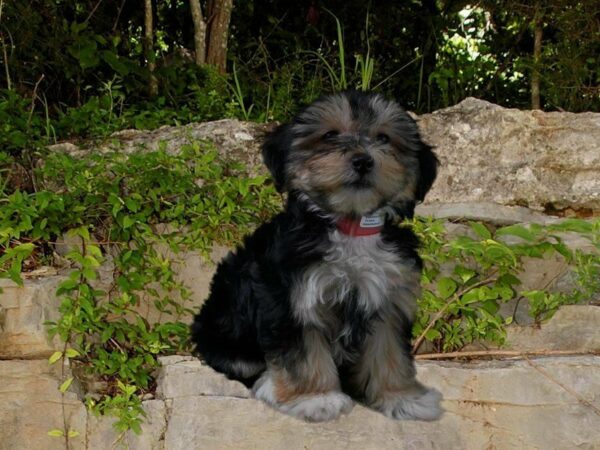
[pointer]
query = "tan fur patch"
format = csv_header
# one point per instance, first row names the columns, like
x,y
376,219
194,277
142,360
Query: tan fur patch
x,y
316,373
326,169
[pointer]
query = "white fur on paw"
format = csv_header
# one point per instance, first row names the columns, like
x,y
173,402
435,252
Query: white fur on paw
x,y
319,407
416,405
264,390
313,408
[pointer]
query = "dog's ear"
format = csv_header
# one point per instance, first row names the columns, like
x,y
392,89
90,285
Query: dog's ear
x,y
275,152
428,164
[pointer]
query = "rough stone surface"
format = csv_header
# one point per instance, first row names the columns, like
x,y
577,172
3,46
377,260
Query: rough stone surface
x,y
573,327
23,311
232,139
189,377
485,212
494,404
500,405
512,157
195,272
513,404
30,406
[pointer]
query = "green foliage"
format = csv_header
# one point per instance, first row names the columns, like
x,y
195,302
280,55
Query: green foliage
x,y
141,210
468,278
19,127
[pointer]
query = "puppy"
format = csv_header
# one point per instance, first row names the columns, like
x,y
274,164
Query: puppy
x,y
316,307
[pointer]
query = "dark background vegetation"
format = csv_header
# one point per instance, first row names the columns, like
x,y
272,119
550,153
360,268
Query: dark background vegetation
x,y
73,68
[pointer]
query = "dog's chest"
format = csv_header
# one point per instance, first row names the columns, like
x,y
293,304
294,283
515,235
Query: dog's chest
x,y
357,276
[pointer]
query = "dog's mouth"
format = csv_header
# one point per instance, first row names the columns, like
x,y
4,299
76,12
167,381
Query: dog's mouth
x,y
360,183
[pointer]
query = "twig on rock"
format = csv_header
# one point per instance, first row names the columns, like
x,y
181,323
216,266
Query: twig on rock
x,y
500,354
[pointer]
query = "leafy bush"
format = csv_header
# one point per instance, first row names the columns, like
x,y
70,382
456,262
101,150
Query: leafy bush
x,y
467,279
117,206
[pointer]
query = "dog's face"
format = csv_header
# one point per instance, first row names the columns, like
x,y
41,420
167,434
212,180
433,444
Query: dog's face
x,y
351,154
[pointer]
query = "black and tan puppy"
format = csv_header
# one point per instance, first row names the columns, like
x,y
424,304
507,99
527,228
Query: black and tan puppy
x,y
316,307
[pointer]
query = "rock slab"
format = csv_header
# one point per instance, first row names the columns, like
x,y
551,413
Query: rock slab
x,y
546,403
544,160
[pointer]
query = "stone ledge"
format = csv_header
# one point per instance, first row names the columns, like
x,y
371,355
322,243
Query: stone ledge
x,y
497,404
186,376
491,404
489,212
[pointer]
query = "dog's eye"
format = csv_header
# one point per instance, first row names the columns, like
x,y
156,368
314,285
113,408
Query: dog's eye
x,y
383,138
330,134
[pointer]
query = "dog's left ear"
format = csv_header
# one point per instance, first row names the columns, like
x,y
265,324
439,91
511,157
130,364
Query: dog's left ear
x,y
428,164
275,152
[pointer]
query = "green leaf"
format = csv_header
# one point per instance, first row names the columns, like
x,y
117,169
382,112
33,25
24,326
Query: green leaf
x,y
66,384
56,433
446,287
432,334
89,274
577,225
128,222
71,353
67,285
55,357
73,433
132,204
464,273
517,230
481,230
491,306
113,60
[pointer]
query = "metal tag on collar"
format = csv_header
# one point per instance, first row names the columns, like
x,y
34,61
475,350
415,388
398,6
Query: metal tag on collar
x,y
365,226
373,221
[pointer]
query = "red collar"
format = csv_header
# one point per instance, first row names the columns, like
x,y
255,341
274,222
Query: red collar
x,y
362,226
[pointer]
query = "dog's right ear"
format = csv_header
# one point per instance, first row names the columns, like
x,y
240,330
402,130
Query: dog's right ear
x,y
275,152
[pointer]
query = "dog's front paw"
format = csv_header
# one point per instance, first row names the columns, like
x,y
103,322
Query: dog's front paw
x,y
319,407
310,407
418,404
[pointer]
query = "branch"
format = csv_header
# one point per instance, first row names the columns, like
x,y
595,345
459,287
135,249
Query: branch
x,y
500,354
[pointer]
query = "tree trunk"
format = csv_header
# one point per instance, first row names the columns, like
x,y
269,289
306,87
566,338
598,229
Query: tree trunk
x,y
149,47
219,15
199,31
537,54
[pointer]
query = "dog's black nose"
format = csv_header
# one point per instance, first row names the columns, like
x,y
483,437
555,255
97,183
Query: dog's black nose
x,y
362,163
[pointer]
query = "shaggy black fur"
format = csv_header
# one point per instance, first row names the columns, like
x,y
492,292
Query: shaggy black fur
x,y
248,313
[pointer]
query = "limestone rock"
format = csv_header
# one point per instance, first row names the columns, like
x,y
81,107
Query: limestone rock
x,y
30,406
512,404
195,272
186,376
233,139
23,311
573,327
485,212
499,404
545,160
